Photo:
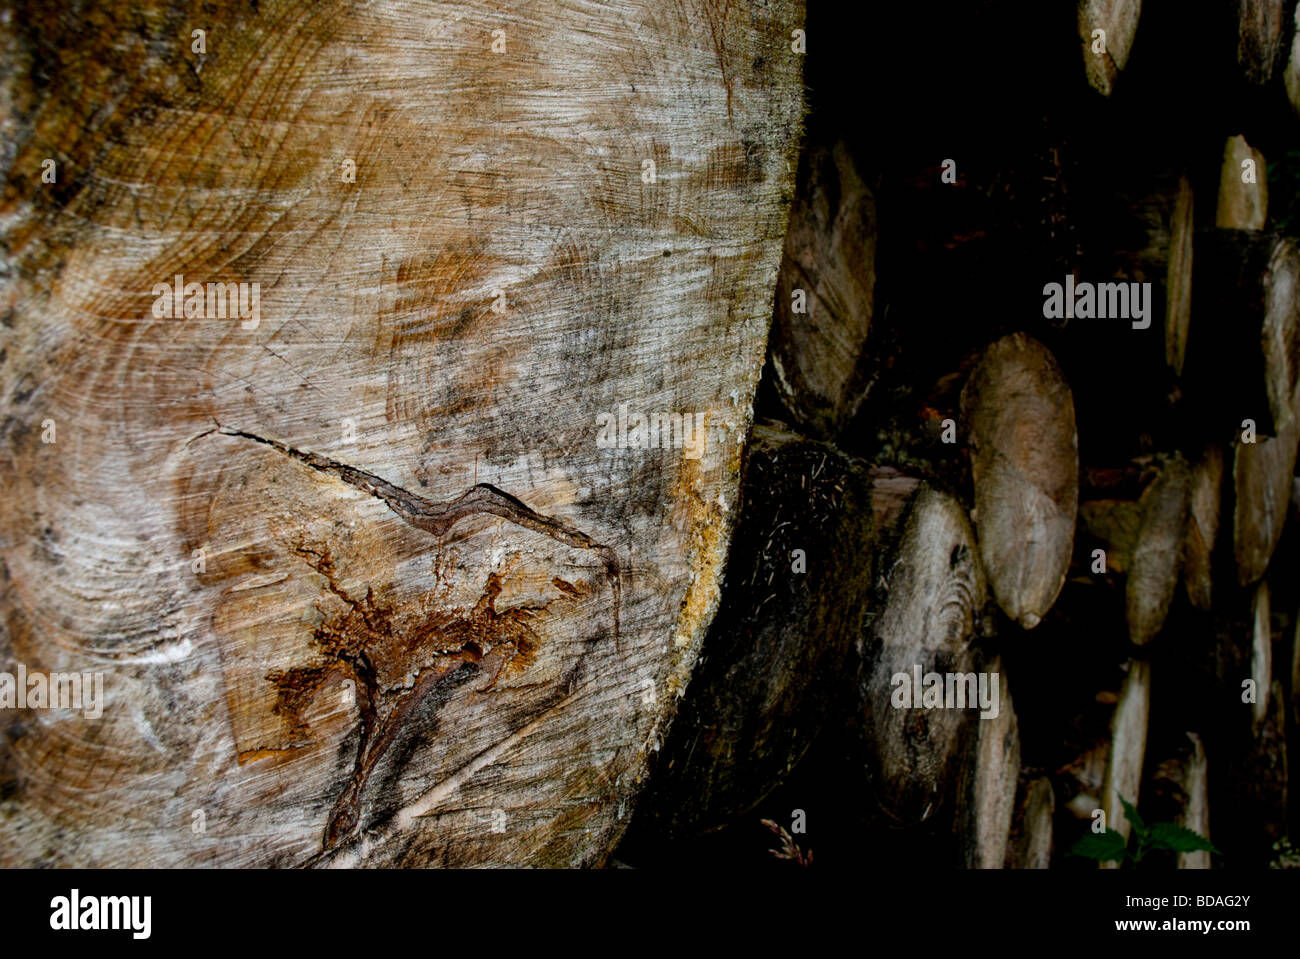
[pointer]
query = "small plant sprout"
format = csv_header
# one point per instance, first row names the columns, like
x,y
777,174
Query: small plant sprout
x,y
1109,846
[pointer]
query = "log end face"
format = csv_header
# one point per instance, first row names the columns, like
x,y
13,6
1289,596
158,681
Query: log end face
x,y
932,595
1106,31
1020,419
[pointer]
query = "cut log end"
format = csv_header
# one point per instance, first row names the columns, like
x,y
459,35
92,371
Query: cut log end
x,y
932,594
1127,746
1024,464
1106,30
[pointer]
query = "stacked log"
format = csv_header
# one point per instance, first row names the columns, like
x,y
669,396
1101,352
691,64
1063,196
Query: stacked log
x,y
1092,480
825,294
1188,775
1107,29
799,579
1019,420
1203,526
988,792
931,595
519,595
1128,739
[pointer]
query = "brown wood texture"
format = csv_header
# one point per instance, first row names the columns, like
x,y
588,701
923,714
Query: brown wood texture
x,y
1024,465
828,271
434,619
1157,557
1104,61
988,795
1260,26
931,597
1127,747
1205,510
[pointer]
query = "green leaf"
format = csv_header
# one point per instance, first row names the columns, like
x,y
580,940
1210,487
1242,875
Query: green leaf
x,y
1132,816
1175,838
1103,847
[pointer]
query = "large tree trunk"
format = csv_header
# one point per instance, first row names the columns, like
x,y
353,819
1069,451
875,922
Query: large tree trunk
x,y
365,583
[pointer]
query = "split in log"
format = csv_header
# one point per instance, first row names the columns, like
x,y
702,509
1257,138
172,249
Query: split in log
x,y
1019,419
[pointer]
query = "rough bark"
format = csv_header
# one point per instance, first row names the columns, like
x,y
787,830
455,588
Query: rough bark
x,y
1260,26
426,640
799,579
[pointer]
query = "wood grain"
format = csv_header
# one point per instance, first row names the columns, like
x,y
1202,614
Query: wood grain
x,y
830,258
1157,558
931,597
1025,465
1119,20
336,684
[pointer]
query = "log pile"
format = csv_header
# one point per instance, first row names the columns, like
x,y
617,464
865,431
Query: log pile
x,y
628,482
1078,367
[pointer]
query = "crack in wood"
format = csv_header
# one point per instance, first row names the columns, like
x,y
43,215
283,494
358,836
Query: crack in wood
x,y
393,675
438,518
